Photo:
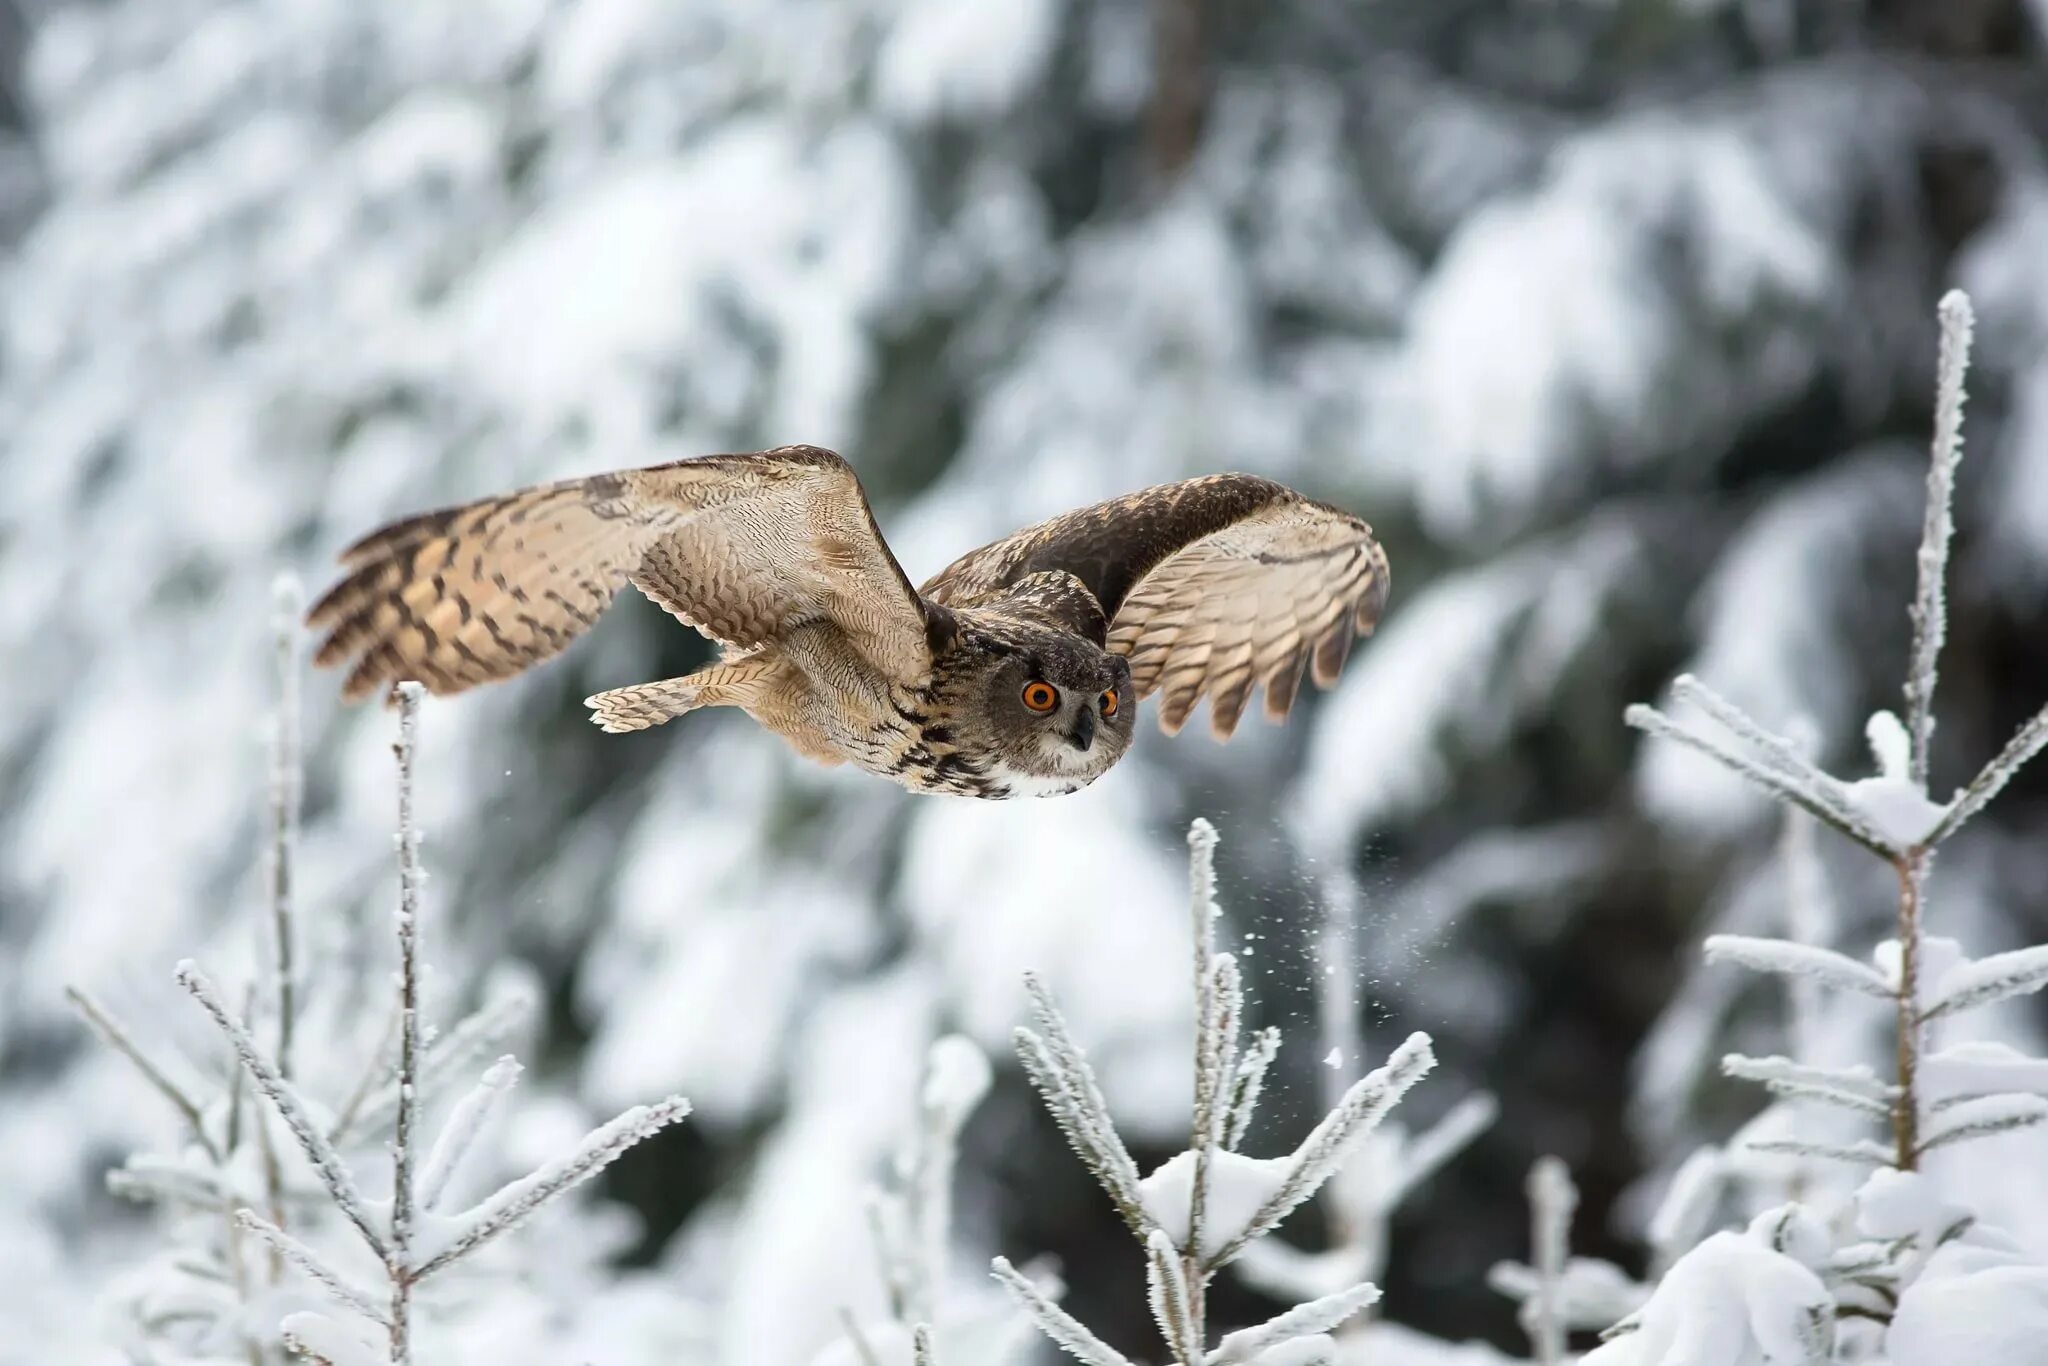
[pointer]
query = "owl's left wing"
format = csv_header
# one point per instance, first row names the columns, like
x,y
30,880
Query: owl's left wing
x,y
1212,586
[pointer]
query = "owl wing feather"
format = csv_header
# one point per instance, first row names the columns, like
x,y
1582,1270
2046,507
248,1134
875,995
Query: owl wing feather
x,y
743,547
1212,586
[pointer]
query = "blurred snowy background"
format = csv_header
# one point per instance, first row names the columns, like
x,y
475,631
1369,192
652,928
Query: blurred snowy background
x,y
1613,316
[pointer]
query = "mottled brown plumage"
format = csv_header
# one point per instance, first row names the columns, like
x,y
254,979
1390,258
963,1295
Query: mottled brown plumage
x,y
1015,671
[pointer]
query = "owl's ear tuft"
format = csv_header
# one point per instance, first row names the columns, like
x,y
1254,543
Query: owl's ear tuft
x,y
941,628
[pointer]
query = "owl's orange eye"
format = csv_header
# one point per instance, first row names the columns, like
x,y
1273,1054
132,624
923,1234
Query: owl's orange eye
x,y
1041,696
1109,703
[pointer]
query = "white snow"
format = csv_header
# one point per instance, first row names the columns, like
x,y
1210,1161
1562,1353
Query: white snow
x,y
1731,1301
1239,1187
946,59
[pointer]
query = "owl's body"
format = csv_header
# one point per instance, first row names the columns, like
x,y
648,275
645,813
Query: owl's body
x,y
1016,671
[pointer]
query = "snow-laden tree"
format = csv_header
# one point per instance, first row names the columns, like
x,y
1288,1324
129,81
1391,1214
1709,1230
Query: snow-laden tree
x,y
1611,317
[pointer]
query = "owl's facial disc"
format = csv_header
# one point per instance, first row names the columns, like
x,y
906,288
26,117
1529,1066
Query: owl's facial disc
x,y
1069,717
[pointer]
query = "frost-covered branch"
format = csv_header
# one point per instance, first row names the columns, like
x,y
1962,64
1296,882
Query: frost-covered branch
x,y
1066,1083
1929,612
401,1257
1068,1333
1786,958
312,1263
1304,1320
291,1108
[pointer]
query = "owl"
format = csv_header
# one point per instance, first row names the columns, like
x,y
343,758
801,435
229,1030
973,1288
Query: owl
x,y
1016,671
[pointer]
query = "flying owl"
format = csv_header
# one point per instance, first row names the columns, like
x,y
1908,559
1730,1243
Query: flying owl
x,y
1016,671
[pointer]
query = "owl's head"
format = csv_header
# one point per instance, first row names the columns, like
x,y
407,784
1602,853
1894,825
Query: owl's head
x,y
1054,710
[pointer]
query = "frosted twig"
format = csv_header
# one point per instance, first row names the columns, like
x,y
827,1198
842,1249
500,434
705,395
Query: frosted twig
x,y
1775,751
921,1353
1929,614
1171,1298
409,695
1304,1320
1819,799
459,1134
1359,1112
1782,956
1210,1008
327,1163
515,1200
1068,1333
110,1029
2024,745
286,780
310,1262
1250,1083
1552,1199
1066,1082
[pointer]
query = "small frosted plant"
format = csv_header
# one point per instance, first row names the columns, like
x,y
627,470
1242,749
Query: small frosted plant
x,y
1932,1099
232,1173
1202,1208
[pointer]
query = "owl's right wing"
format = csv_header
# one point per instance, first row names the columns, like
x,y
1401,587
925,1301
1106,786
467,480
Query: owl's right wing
x,y
1212,586
745,548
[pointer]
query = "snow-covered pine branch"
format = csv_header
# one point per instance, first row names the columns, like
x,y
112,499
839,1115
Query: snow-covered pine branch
x,y
1786,958
1304,1320
1983,1116
2026,742
1331,1141
1813,793
1984,981
511,1204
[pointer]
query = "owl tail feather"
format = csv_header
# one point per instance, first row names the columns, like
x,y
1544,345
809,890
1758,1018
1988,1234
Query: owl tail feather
x,y
649,704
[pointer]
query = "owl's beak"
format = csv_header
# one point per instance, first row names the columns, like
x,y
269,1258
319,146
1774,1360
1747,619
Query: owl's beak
x,y
1083,733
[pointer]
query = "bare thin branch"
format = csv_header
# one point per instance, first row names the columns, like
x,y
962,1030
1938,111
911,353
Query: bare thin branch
x,y
110,1029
